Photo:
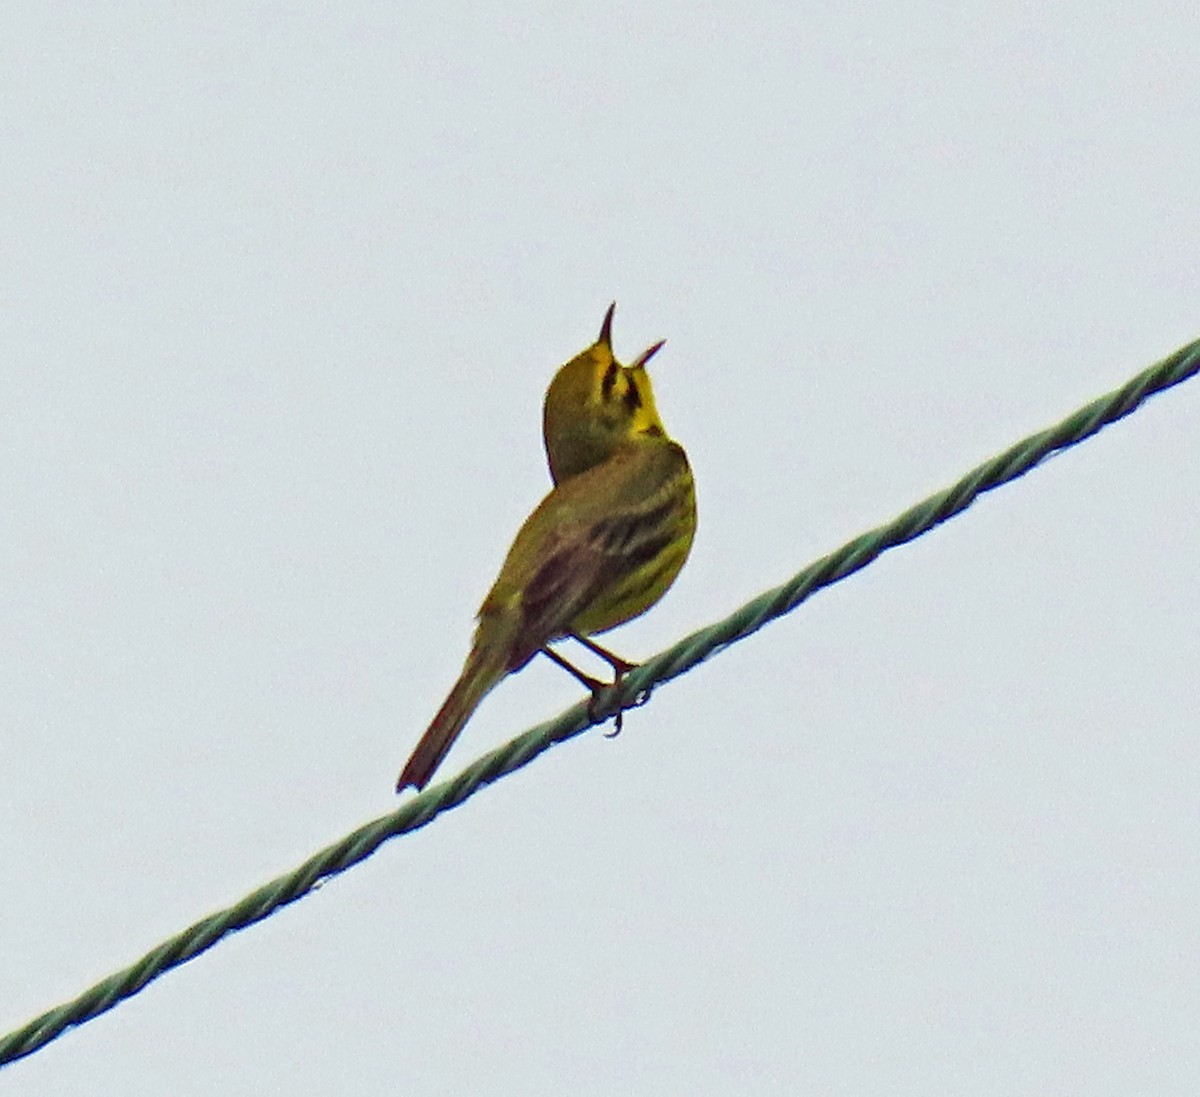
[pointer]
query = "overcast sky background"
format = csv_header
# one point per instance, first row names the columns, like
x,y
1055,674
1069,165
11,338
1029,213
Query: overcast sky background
x,y
281,287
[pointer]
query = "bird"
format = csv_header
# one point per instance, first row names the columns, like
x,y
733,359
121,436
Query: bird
x,y
600,549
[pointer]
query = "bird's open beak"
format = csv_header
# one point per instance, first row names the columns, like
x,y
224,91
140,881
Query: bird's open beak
x,y
647,354
605,336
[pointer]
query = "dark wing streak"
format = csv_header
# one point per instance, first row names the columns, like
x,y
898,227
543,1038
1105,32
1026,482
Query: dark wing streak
x,y
626,532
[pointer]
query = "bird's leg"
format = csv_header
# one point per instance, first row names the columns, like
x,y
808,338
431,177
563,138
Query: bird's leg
x,y
593,684
620,668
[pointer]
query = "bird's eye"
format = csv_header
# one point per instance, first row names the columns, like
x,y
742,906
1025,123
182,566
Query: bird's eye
x,y
633,398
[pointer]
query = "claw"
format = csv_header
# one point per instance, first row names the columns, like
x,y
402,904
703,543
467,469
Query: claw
x,y
618,716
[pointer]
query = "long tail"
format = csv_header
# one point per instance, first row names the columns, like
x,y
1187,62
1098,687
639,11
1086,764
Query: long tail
x,y
485,667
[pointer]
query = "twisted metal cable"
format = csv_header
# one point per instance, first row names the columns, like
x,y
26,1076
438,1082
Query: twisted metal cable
x,y
634,687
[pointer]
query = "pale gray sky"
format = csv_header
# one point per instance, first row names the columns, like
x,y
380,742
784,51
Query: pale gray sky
x,y
281,287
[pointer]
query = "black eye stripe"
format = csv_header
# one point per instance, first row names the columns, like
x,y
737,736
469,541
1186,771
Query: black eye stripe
x,y
610,379
633,398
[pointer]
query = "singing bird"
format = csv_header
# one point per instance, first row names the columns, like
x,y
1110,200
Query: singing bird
x,y
600,549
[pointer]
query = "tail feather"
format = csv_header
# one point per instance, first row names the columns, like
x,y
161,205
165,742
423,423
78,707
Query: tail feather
x,y
483,670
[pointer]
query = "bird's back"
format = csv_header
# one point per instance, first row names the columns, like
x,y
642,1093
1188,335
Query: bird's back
x,y
599,550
